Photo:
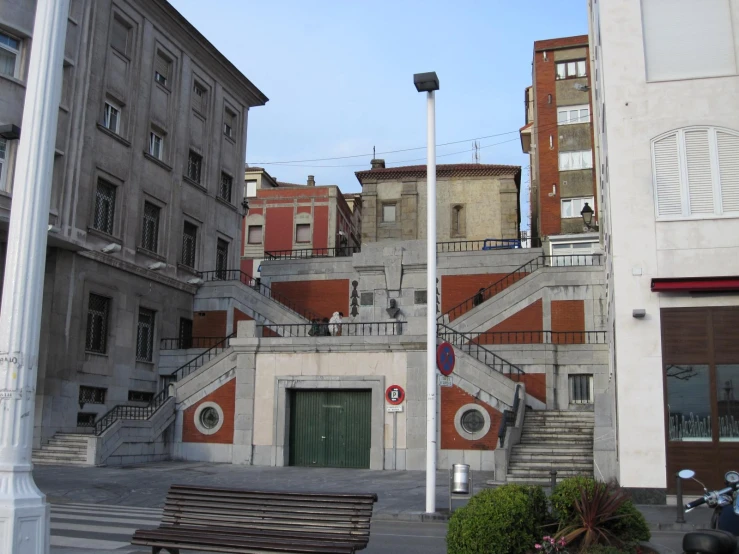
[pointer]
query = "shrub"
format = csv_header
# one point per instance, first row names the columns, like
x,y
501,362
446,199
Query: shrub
x,y
505,520
631,527
564,496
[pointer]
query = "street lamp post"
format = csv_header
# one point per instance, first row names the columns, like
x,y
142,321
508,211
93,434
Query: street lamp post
x,y
429,83
24,514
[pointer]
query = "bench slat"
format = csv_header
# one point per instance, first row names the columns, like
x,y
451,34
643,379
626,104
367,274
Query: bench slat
x,y
338,512
257,524
264,533
313,495
286,503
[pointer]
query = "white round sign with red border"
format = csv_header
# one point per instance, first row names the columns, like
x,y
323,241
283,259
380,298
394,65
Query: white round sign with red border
x,y
395,394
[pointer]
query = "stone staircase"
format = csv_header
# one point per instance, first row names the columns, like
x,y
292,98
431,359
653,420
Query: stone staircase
x,y
63,449
552,440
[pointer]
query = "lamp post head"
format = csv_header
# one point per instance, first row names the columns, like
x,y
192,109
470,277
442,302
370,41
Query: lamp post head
x,y
244,207
587,215
426,82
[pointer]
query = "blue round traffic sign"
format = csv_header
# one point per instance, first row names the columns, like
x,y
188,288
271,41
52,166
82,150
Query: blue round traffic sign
x,y
445,358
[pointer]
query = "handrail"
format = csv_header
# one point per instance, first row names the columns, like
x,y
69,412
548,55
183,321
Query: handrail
x,y
256,284
185,343
509,415
542,337
369,328
464,341
307,253
519,273
124,411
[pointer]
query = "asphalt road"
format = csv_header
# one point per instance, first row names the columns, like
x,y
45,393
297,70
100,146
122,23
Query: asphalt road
x,y
407,538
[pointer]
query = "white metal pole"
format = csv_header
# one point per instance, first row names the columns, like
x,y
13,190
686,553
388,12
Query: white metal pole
x,y
24,514
431,307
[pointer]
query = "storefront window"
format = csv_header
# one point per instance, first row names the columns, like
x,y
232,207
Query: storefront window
x,y
727,394
688,402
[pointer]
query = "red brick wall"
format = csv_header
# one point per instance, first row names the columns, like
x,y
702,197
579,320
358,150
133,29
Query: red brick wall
x,y
320,227
240,316
209,324
225,397
453,398
322,297
279,229
455,289
247,266
568,315
536,385
528,319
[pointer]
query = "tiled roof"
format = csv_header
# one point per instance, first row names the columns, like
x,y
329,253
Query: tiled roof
x,y
563,42
283,184
443,170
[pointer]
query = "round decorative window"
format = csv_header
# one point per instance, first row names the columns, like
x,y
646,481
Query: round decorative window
x,y
209,418
473,421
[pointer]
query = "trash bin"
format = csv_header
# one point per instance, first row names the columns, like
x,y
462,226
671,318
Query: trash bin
x,y
460,479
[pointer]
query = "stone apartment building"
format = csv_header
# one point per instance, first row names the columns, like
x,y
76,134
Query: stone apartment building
x,y
473,202
558,136
149,154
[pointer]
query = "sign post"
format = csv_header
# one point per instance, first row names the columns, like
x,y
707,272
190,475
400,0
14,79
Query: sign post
x,y
395,395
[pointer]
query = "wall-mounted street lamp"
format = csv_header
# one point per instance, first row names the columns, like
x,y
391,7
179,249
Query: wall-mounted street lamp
x,y
244,207
587,216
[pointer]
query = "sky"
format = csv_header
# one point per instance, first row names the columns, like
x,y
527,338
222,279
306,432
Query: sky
x,y
339,77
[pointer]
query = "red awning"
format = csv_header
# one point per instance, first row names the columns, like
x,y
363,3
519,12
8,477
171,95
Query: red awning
x,y
696,284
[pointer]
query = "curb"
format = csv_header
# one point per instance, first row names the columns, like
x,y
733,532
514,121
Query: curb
x,y
679,527
422,517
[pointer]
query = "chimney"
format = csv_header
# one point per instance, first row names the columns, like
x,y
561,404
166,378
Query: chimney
x,y
311,181
378,164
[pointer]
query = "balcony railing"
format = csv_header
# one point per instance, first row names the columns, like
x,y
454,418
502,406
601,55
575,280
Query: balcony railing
x,y
542,337
320,329
306,253
477,245
191,342
464,341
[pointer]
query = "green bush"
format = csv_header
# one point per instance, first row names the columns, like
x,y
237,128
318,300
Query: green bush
x,y
630,528
505,520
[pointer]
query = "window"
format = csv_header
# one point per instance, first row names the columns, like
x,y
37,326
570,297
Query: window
x,y
302,232
194,166
3,169
572,69
727,391
185,333
458,221
251,189
85,419
696,174
419,297
91,395
112,117
388,213
688,402
104,207
189,244
140,396
221,258
571,207
229,122
581,389
581,159
199,97
573,114
150,234
367,299
255,234
97,324
472,421
224,191
572,253
9,54
120,33
145,335
162,67
156,145
209,417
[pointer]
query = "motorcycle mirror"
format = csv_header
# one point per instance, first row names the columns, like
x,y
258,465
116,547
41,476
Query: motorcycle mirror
x,y
686,474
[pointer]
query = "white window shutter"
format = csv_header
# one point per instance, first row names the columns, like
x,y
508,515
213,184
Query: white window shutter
x,y
698,162
728,159
667,176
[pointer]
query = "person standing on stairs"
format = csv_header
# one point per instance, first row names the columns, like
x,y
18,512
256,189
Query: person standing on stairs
x,y
336,324
479,297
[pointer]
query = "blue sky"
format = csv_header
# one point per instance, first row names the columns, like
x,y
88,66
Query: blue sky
x,y
339,76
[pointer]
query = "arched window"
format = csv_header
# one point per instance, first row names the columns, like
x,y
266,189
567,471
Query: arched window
x,y
458,223
696,173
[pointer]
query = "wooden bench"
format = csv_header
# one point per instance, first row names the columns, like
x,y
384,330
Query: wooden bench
x,y
233,520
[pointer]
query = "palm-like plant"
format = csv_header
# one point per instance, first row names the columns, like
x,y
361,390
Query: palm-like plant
x,y
596,510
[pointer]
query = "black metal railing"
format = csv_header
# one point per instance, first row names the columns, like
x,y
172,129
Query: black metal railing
x,y
145,412
465,342
321,329
509,417
542,337
528,240
190,342
477,245
517,274
305,253
264,290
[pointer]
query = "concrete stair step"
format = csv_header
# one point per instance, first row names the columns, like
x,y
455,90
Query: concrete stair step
x,y
557,458
558,420
66,455
534,416
541,481
51,462
573,449
558,429
543,438
57,448
63,440
562,473
543,465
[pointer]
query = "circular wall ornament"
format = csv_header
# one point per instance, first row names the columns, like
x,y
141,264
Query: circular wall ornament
x,y
472,422
208,418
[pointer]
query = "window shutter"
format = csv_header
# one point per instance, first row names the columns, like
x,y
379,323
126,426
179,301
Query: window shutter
x,y
162,66
700,183
667,171
728,161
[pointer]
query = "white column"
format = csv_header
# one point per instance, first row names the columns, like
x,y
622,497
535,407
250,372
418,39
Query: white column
x,y
431,308
24,514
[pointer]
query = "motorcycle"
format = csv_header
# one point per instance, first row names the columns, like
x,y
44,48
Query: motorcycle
x,y
721,538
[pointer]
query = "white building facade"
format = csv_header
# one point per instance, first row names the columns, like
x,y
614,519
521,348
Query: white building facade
x,y
667,154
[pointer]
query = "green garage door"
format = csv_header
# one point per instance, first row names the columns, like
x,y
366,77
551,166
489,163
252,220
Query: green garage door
x,y
330,428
